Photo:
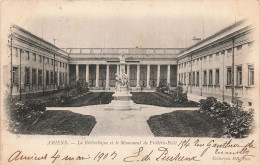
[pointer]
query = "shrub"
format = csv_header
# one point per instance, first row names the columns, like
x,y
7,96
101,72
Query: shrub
x,y
22,113
237,122
177,95
162,87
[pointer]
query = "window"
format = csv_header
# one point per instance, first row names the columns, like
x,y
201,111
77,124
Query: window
x,y
63,65
28,55
55,78
193,78
210,77
34,57
48,60
229,76
15,75
205,77
198,78
239,75
190,79
217,77
251,75
52,62
47,77
185,78
60,64
51,77
27,76
33,76
40,77
65,78
60,78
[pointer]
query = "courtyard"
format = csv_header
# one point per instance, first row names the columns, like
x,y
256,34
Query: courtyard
x,y
86,116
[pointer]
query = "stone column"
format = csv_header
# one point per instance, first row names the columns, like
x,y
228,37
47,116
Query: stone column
x,y
87,73
138,76
77,72
97,75
168,74
117,69
107,78
158,74
148,77
128,73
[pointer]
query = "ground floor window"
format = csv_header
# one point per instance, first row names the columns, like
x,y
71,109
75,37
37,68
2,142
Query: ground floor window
x,y
217,77
239,75
47,77
55,77
198,78
229,76
193,78
15,75
251,75
40,77
52,77
205,77
27,76
34,76
210,77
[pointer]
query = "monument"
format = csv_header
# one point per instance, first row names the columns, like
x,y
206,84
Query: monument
x,y
122,96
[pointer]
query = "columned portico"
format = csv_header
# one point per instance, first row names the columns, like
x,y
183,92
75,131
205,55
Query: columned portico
x,y
158,75
148,77
97,75
87,73
77,72
107,78
128,72
117,69
168,74
138,76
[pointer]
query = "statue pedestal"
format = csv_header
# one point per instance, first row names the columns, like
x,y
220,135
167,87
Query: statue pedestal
x,y
122,101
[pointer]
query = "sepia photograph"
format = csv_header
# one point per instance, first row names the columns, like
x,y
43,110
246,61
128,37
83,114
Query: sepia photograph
x,y
127,82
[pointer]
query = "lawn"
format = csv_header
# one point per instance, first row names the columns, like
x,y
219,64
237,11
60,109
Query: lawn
x,y
90,98
60,123
185,124
154,98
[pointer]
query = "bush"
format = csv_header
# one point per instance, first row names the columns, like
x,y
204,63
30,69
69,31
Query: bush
x,y
20,114
238,123
162,87
177,95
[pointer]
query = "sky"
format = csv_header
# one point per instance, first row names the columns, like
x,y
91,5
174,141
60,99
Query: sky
x,y
117,24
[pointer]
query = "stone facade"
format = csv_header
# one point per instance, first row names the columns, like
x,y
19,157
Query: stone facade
x,y
206,68
32,64
222,65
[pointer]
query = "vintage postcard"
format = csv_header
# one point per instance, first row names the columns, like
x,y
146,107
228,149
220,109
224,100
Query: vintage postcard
x,y
129,82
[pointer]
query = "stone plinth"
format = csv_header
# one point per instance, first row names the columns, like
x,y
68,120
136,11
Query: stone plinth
x,y
122,101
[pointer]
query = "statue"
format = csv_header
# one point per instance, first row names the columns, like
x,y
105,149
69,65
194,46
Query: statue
x,y
121,77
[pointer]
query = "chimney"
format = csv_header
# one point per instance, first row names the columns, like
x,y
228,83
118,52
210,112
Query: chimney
x,y
195,40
